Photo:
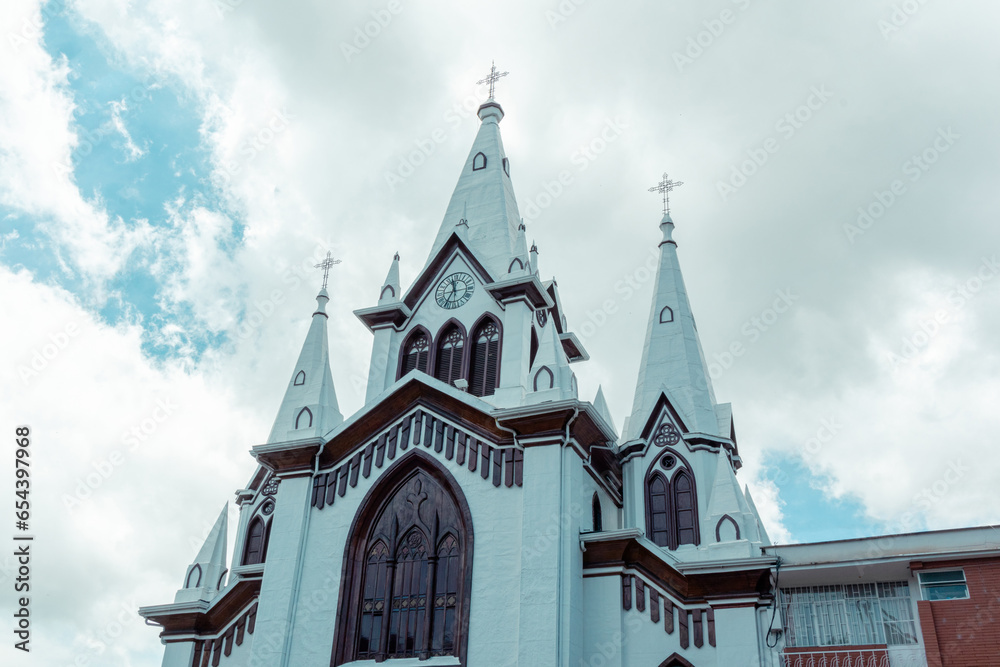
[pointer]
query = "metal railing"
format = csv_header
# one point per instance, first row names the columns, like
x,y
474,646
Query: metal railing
x,y
851,657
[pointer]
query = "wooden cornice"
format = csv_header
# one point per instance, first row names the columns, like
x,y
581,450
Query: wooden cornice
x,y
747,581
180,619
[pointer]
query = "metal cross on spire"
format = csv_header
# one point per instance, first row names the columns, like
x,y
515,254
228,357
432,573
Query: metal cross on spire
x,y
326,265
492,78
664,187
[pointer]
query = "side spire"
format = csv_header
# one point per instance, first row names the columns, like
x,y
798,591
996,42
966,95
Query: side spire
x,y
390,288
203,578
310,408
550,377
601,405
673,363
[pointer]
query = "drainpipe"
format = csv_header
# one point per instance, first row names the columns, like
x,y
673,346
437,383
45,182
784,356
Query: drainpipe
x,y
293,607
560,620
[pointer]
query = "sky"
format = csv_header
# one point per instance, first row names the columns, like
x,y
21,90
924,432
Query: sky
x,y
171,171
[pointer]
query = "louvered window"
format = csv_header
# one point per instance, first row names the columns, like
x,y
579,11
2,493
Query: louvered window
x,y
485,360
416,353
449,356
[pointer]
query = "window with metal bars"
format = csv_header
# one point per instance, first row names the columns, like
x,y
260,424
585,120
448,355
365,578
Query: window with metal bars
x,y
485,367
448,365
849,615
416,353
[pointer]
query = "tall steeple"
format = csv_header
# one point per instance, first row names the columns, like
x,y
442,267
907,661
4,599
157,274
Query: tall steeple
x,y
672,359
484,196
310,408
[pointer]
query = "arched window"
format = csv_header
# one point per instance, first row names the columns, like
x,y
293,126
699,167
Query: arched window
x,y
409,569
305,419
684,509
666,315
407,618
657,513
479,162
506,166
256,546
451,346
416,353
194,577
671,502
485,371
373,599
534,348
300,378
446,587
598,514
544,379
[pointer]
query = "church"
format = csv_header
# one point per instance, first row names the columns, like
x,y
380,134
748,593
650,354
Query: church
x,y
477,511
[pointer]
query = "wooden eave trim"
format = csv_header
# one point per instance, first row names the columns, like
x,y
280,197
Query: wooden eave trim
x,y
545,424
410,396
220,613
286,457
628,552
528,288
573,347
375,317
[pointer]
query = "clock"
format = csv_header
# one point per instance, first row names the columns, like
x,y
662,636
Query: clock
x,y
455,290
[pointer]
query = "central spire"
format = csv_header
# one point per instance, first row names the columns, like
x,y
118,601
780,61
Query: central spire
x,y
484,197
673,363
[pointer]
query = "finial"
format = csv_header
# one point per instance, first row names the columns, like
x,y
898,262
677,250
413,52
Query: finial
x,y
395,257
492,78
534,248
521,227
664,187
464,222
326,265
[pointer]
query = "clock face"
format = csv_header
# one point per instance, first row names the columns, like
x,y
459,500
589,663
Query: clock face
x,y
455,290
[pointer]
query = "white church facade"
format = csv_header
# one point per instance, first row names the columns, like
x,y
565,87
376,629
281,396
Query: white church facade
x,y
476,510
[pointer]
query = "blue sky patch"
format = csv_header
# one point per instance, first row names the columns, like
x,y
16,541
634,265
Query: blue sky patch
x,y
828,518
139,149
